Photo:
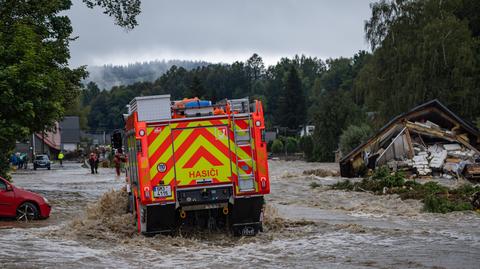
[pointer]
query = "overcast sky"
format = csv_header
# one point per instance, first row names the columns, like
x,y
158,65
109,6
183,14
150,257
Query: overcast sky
x,y
221,31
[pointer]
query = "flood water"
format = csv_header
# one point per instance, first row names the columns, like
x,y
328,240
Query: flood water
x,y
304,228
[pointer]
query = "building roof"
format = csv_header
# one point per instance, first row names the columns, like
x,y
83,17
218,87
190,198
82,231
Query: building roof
x,y
51,138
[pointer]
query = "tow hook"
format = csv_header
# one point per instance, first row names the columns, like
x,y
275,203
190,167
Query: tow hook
x,y
183,214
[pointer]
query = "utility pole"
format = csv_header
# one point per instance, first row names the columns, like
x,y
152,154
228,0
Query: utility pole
x,y
33,146
43,142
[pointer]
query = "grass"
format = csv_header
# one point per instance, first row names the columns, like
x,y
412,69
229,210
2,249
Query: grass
x,y
435,197
314,185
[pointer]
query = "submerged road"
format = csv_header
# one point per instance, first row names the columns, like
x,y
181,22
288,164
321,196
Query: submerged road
x,y
304,228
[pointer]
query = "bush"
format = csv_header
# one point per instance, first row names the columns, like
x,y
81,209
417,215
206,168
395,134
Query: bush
x,y
436,198
441,204
433,188
353,136
388,179
344,185
277,146
306,146
291,145
314,185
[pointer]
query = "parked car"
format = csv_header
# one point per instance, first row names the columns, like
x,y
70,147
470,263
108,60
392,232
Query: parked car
x,y
21,204
41,161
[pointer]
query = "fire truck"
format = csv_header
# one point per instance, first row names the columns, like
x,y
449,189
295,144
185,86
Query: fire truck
x,y
191,162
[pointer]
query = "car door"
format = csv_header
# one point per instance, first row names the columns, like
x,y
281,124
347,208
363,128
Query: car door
x,y
7,200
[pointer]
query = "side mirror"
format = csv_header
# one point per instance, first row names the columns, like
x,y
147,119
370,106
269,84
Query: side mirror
x,y
9,187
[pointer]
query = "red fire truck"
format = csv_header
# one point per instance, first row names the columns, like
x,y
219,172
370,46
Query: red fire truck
x,y
194,162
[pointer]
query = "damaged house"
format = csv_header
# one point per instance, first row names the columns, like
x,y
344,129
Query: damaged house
x,y
429,140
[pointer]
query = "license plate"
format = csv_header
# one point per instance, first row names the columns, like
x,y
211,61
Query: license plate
x,y
162,191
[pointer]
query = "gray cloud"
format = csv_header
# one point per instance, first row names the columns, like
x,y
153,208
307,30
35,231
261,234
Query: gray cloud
x,y
221,30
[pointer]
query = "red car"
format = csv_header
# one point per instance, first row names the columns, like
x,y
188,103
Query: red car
x,y
21,204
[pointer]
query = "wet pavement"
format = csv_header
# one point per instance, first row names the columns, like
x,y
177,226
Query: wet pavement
x,y
304,228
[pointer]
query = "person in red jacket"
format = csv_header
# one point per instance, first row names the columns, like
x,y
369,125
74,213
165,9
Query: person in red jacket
x,y
91,162
117,160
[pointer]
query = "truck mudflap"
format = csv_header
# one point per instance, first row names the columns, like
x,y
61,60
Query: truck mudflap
x,y
245,217
158,219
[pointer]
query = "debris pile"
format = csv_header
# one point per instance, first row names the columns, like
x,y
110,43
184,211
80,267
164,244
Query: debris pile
x,y
429,140
444,160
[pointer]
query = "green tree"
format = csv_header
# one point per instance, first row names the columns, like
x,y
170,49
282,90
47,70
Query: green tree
x,y
422,50
354,136
89,93
306,146
335,111
124,12
196,88
36,84
292,110
291,144
255,70
277,146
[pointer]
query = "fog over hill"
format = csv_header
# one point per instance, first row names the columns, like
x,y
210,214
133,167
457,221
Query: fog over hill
x,y
108,76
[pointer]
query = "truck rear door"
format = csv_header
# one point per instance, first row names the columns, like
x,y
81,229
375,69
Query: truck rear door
x,y
202,155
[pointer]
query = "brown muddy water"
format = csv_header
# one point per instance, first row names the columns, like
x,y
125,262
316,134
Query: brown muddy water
x,y
304,228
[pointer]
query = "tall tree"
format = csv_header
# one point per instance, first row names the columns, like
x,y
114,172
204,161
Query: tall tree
x,y
335,112
36,83
255,67
422,50
196,88
292,110
89,93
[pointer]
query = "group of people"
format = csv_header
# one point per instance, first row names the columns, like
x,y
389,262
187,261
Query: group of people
x,y
118,159
20,160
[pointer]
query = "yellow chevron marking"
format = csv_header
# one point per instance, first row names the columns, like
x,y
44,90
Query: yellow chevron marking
x,y
164,134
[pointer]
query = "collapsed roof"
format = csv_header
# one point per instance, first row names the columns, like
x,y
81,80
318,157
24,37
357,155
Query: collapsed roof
x,y
429,124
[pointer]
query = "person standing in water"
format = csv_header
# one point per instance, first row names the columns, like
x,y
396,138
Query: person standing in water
x,y
97,161
91,162
60,158
117,160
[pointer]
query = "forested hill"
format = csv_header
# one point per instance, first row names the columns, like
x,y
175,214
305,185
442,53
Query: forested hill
x,y
108,76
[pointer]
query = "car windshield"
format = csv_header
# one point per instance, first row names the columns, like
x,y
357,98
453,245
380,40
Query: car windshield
x,y
41,157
